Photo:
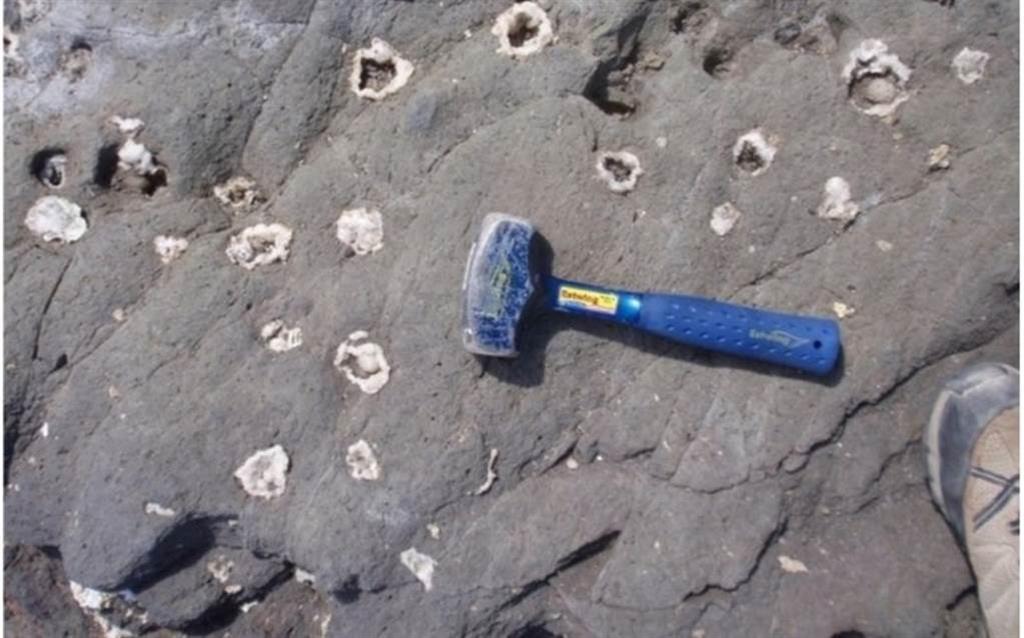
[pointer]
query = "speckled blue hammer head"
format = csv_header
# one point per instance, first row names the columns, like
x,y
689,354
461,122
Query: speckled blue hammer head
x,y
498,286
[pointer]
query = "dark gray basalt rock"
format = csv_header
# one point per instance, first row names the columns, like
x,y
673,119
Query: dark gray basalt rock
x,y
642,488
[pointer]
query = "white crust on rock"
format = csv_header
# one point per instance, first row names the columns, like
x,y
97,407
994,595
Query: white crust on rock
x,y
220,568
156,509
377,54
753,152
57,219
836,203
134,156
89,598
361,230
94,603
876,79
259,245
280,338
723,218
509,27
620,170
264,474
304,577
842,310
939,157
373,369
792,565
421,565
238,194
362,462
969,65
129,126
169,248
492,475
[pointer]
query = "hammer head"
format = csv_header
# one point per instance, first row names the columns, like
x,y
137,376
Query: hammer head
x,y
498,286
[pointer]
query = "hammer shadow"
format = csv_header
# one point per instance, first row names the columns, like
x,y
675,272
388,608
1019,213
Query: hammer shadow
x,y
527,370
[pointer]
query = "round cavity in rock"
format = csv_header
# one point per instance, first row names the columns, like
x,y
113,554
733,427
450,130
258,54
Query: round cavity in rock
x,y
154,181
76,60
619,170
361,231
56,219
259,245
13,63
969,65
749,159
49,166
378,71
875,79
690,17
817,34
718,62
879,90
522,30
106,166
368,362
787,33
11,41
872,90
376,75
753,153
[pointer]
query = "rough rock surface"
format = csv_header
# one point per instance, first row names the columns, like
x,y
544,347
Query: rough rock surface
x,y
644,488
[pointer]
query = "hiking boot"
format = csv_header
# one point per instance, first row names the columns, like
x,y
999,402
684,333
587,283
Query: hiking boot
x,y
971,443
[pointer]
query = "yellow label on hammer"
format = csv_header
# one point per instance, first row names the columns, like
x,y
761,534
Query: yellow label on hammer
x,y
605,302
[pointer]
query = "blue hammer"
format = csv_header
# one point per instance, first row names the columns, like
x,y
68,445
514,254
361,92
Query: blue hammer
x,y
502,285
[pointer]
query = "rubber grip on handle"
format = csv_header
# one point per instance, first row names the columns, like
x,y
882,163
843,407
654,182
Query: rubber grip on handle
x,y
810,344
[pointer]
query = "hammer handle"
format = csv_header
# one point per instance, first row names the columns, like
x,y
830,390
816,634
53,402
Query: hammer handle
x,y
811,344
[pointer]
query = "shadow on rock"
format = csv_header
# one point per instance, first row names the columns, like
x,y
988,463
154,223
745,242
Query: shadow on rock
x,y
183,546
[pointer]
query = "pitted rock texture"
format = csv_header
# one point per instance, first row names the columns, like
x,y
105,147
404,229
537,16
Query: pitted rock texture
x,y
645,488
